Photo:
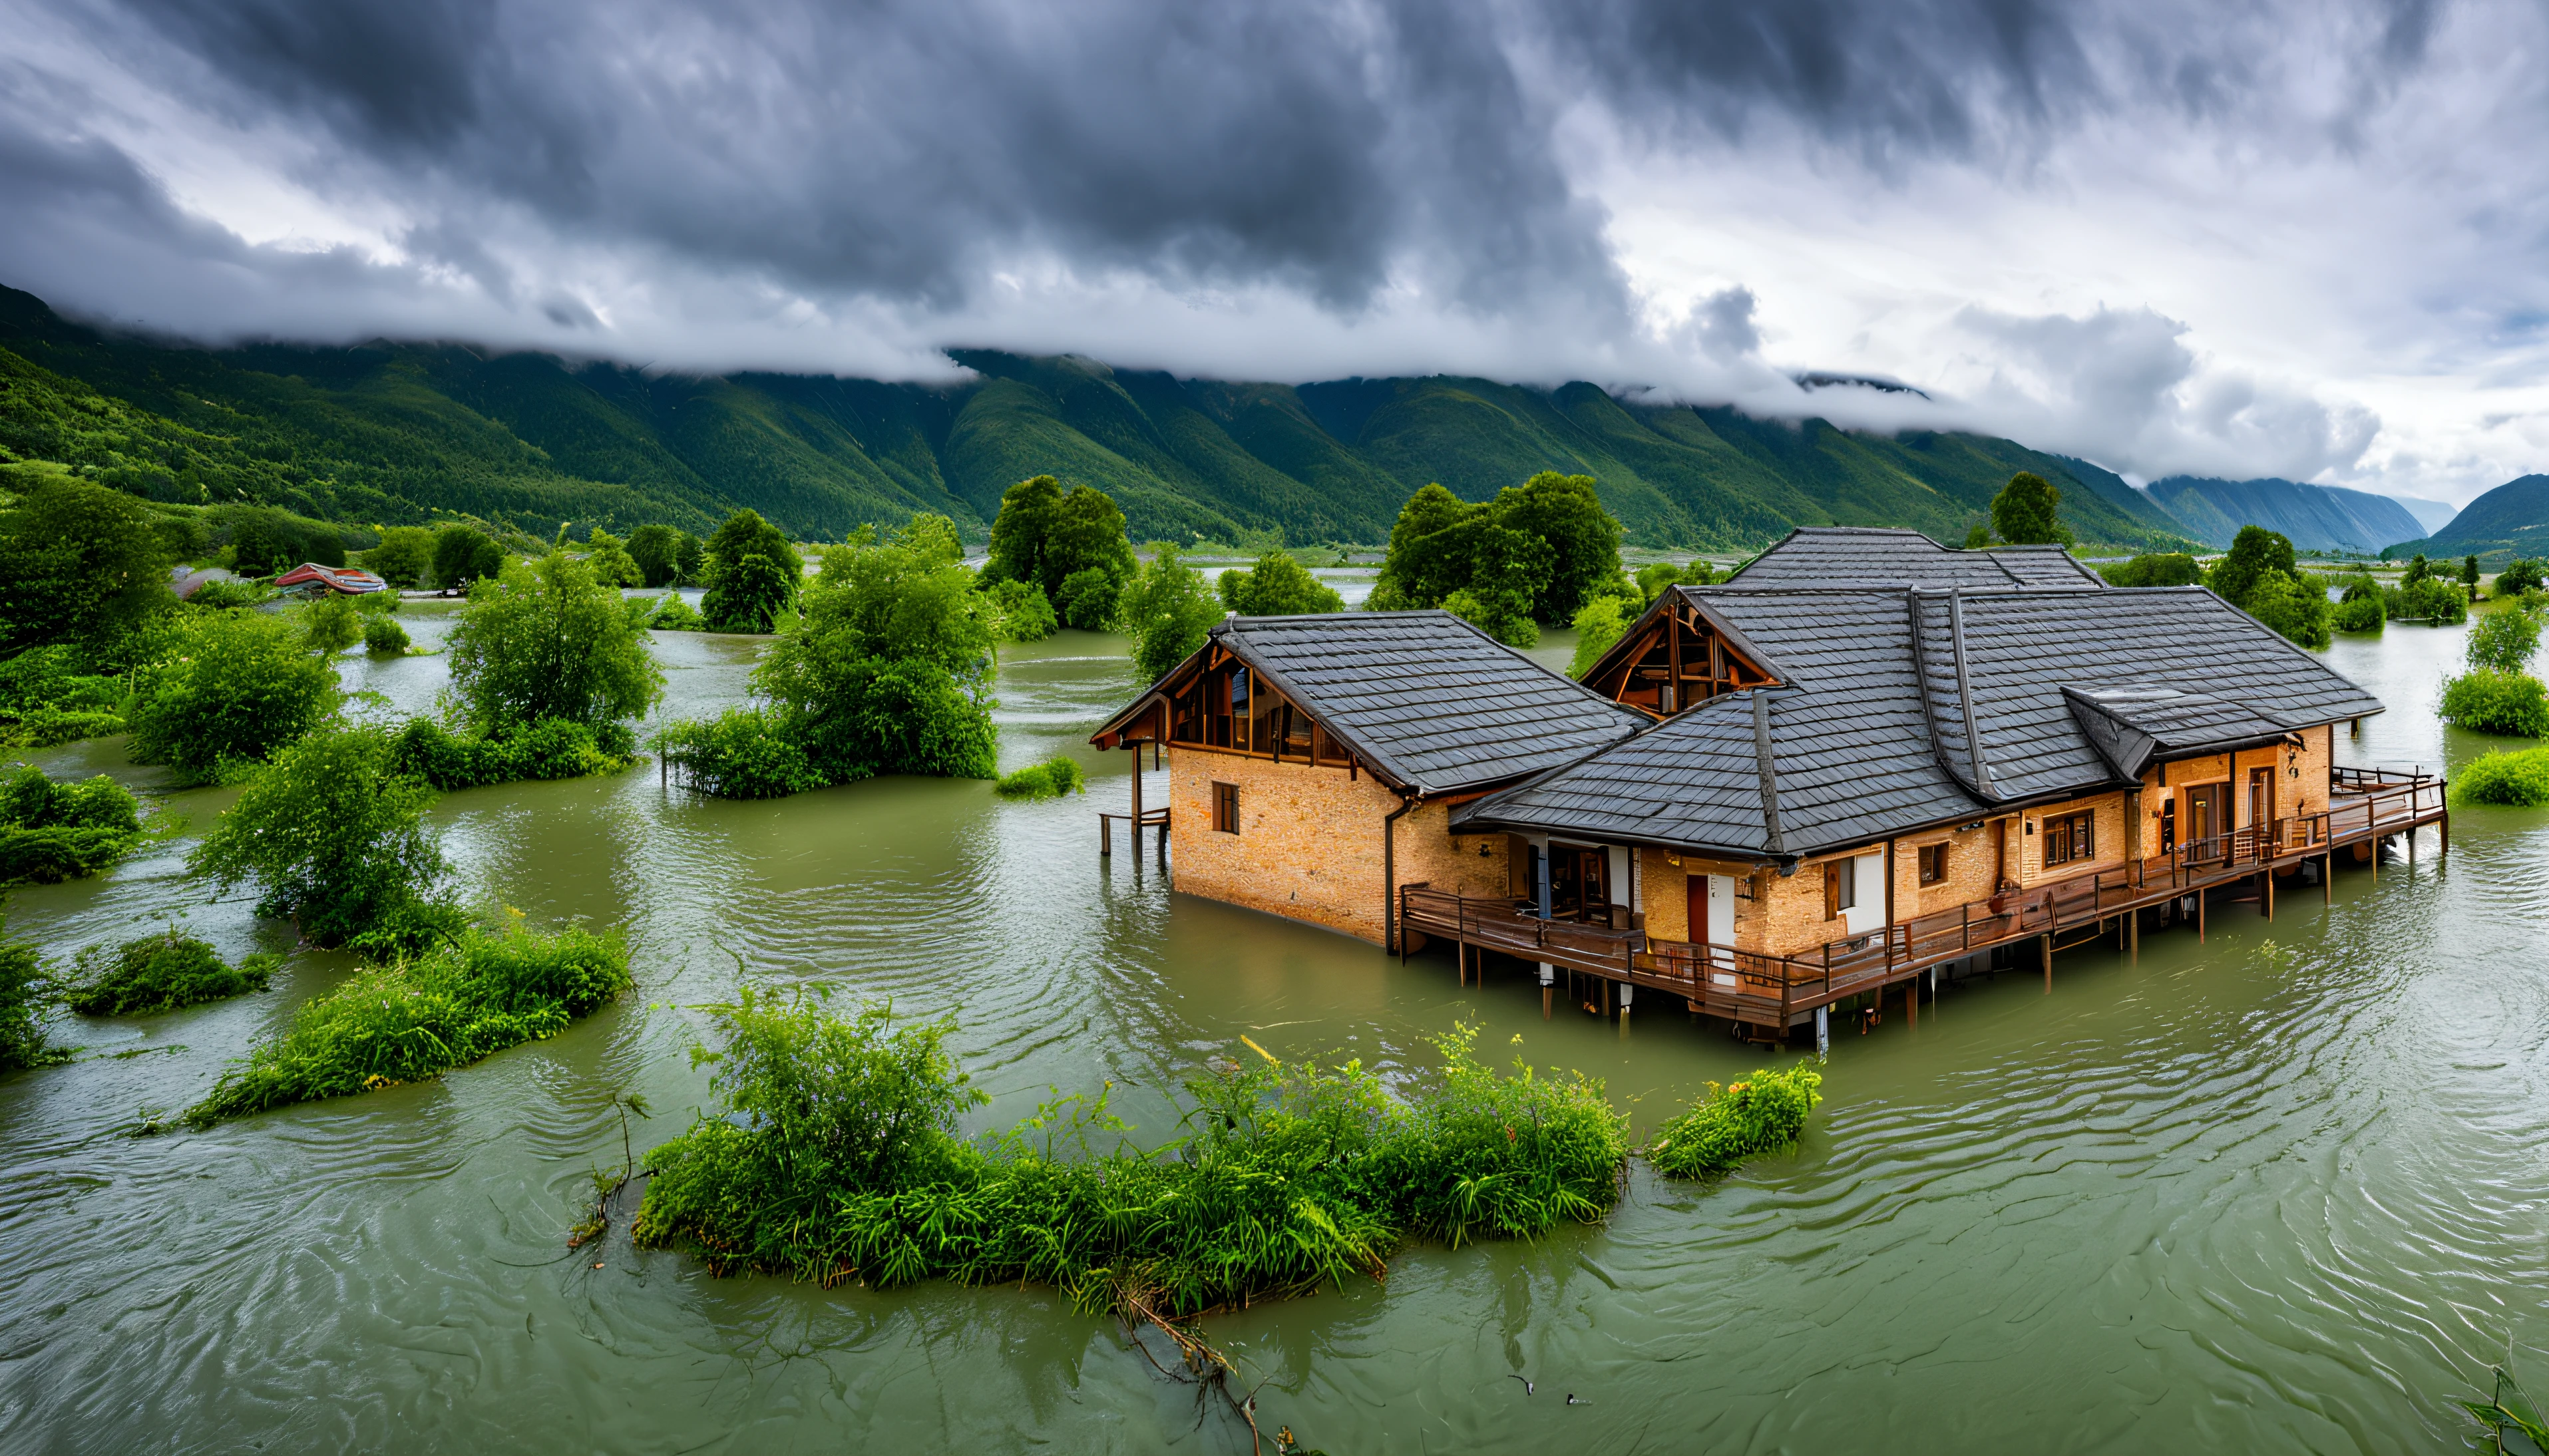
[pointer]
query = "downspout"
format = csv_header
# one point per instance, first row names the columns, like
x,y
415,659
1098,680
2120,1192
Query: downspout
x,y
1390,870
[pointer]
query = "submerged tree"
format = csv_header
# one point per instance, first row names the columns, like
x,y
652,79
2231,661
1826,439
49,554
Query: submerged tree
x,y
1167,611
1070,544
664,556
1536,554
332,835
548,640
2027,511
216,691
753,575
462,555
1277,586
79,563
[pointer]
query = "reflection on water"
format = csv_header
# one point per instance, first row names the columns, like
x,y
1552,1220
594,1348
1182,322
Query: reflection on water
x,y
2221,1199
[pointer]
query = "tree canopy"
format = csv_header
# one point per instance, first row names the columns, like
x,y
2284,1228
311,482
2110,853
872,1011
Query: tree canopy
x,y
404,557
463,555
664,556
1537,553
2155,569
547,639
1168,612
2259,577
1277,586
216,690
2027,512
78,563
753,574
331,835
1050,537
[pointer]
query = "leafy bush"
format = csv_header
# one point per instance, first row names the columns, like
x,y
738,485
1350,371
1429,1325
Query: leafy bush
x,y
51,695
1025,613
416,1019
78,563
161,973
1167,611
404,557
383,637
1536,552
833,1155
675,614
2486,701
229,593
2519,777
223,689
611,562
50,831
2425,599
1046,536
2155,569
2520,575
2027,511
1086,599
549,748
1502,614
1277,586
332,835
2293,607
1597,628
463,556
1764,1113
659,553
2503,640
752,575
1652,580
743,753
1055,776
548,640
331,625
2363,609
28,995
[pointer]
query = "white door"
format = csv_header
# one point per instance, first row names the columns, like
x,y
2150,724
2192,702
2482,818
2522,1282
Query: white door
x,y
1720,928
1867,883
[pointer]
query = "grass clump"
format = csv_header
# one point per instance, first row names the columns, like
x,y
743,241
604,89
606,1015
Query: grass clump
x,y
834,1156
743,753
549,748
1055,776
161,973
1764,1113
472,997
674,614
384,637
2519,778
51,831
28,995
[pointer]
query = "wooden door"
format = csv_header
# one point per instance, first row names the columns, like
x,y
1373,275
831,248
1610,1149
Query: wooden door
x,y
1698,895
2206,808
2261,801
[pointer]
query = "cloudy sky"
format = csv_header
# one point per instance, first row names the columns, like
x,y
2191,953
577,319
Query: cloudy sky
x,y
2305,239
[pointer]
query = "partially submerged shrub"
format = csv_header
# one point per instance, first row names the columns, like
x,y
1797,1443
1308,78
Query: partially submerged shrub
x,y
2361,614
2519,778
743,753
27,992
53,831
551,747
222,689
675,614
333,835
1056,776
2486,701
227,593
419,1017
833,1155
160,973
1764,1113
331,625
1025,613
54,694
383,637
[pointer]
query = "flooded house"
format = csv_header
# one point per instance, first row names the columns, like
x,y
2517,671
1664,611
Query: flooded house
x,y
1864,759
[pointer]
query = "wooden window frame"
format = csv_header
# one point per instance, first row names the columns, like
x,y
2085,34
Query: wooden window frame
x,y
1836,873
1933,863
1225,808
2077,832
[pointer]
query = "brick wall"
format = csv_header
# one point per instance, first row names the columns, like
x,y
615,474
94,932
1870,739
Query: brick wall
x,y
1664,878
1971,867
2108,835
1309,841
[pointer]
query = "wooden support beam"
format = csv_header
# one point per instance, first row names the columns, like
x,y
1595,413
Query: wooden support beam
x,y
2133,935
2327,878
2199,915
2047,940
2266,897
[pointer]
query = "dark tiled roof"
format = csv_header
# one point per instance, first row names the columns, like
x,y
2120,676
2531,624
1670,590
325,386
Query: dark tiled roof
x,y
1425,699
1868,556
1882,694
2133,723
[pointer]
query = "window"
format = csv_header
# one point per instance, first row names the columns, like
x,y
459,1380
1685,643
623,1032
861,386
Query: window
x,y
1840,887
1225,808
1933,863
2070,837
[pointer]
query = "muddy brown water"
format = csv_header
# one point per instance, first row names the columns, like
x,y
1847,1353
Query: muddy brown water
x,y
2279,1192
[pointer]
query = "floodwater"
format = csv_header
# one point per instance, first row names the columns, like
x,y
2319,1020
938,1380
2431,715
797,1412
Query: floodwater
x,y
2279,1192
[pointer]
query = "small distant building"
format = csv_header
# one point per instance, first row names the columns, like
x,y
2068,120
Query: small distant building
x,y
312,579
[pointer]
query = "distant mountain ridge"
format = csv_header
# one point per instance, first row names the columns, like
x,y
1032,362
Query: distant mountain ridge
x,y
383,434
2314,518
2509,522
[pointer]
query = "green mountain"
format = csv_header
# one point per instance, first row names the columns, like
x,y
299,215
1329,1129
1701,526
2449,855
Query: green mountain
x,y
2509,522
387,433
2312,517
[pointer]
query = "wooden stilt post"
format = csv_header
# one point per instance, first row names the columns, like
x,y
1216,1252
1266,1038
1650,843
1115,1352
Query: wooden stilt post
x,y
2266,894
2046,942
1912,1001
2327,879
2199,915
2133,935
1823,1031
1545,990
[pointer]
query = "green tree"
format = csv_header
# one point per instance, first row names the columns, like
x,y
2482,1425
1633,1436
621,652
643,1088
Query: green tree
x,y
2418,569
218,690
1978,538
404,557
934,538
1168,611
2503,641
548,640
1086,599
331,835
2291,606
1536,553
2256,554
1046,536
2469,575
751,593
889,671
78,563
463,555
612,564
1423,565
657,550
1597,628
1024,614
2027,511
1564,514
1277,586
2155,569
1019,532
331,625
2520,576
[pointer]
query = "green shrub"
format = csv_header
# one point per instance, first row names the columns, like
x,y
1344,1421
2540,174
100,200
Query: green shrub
x,y
416,1019
332,835
2519,777
1166,611
2503,640
675,614
1055,776
1764,1113
2520,575
383,637
2485,701
404,558
464,555
2291,606
220,689
2155,569
1597,628
161,973
28,993
2426,600
227,593
1277,586
51,695
1086,599
548,640
1025,615
833,1155
79,563
2359,613
549,748
743,753
330,625
50,831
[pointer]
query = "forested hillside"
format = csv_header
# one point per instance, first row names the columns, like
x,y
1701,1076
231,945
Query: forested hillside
x,y
2312,518
2510,521
391,433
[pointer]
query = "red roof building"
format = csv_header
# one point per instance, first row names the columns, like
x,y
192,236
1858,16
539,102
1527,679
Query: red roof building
x,y
310,579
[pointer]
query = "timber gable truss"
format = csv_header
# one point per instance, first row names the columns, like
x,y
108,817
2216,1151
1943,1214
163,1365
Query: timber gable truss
x,y
1676,656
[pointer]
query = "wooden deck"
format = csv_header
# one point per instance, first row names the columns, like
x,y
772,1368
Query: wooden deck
x,y
1782,990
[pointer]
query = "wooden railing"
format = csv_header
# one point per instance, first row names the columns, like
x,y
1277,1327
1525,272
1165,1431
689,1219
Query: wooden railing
x,y
1751,985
